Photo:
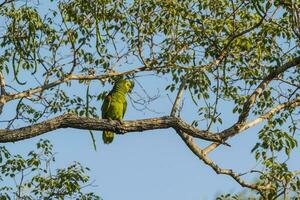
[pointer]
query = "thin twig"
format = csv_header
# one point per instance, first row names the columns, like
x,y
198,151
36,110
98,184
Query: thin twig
x,y
178,97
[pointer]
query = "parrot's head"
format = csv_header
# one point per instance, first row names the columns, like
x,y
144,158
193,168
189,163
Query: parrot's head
x,y
127,85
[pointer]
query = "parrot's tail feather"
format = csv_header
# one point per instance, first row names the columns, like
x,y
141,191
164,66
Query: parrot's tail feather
x,y
108,137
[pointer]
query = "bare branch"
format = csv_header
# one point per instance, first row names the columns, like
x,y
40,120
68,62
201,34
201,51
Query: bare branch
x,y
234,131
70,77
73,121
2,91
178,97
225,50
241,125
288,82
6,2
296,19
260,88
289,104
202,156
2,84
210,148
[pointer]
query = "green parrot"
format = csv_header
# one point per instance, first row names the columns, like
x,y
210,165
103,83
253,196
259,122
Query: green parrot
x,y
115,104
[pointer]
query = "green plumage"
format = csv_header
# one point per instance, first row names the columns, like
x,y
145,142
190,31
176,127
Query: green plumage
x,y
115,105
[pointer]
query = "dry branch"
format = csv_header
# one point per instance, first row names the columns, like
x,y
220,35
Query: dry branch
x,y
234,130
6,97
261,87
202,156
2,92
6,2
178,97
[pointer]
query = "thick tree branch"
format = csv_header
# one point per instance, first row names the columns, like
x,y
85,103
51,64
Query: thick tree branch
x,y
73,121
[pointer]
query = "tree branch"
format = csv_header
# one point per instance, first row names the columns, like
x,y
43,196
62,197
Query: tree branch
x,y
289,104
73,121
260,88
202,156
30,92
2,91
230,132
2,84
178,97
241,124
6,2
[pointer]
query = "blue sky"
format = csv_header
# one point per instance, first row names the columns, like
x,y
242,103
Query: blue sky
x,y
151,165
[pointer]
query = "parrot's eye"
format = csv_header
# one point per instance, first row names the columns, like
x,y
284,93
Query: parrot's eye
x,y
129,86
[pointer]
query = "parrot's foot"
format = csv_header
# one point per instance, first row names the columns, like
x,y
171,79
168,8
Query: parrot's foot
x,y
119,131
109,120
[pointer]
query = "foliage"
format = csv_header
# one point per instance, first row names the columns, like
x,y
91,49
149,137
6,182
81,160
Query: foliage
x,y
234,197
32,177
228,54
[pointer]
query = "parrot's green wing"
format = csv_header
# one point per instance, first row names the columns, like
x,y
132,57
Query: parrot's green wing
x,y
124,108
105,106
107,136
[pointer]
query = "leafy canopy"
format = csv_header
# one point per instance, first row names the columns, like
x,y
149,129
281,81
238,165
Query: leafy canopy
x,y
32,176
233,54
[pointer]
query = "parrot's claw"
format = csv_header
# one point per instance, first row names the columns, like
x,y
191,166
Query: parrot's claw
x,y
119,131
120,122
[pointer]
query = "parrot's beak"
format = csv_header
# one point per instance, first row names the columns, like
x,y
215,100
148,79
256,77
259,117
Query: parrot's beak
x,y
131,88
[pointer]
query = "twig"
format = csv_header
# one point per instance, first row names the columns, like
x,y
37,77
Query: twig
x,y
178,97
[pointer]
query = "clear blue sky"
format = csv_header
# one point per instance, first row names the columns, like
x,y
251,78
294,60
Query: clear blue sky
x,y
152,165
